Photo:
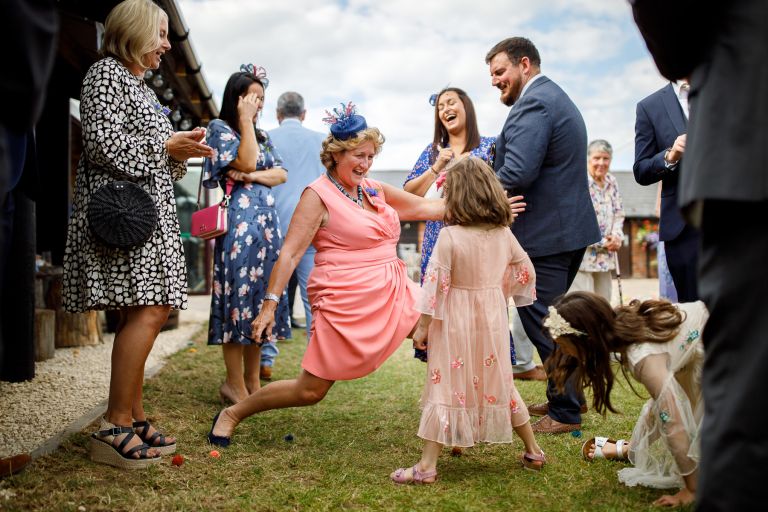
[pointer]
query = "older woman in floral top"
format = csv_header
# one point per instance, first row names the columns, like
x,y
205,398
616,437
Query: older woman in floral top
x,y
599,259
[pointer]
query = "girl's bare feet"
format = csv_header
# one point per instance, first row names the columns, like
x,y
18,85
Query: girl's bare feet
x,y
683,497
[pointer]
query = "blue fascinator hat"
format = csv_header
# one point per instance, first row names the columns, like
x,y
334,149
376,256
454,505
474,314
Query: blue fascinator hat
x,y
345,122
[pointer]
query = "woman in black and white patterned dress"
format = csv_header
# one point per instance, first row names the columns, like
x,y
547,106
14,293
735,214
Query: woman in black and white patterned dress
x,y
127,136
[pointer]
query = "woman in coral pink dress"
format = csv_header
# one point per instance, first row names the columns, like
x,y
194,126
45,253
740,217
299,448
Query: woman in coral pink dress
x,y
363,304
476,266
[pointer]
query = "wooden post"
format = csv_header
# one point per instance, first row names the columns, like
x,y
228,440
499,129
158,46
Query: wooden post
x,y
72,329
77,329
45,334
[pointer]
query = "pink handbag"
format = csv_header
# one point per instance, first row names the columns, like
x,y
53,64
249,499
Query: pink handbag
x,y
212,221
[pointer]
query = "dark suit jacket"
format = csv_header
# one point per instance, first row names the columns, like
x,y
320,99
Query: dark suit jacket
x,y
542,154
28,35
658,123
724,49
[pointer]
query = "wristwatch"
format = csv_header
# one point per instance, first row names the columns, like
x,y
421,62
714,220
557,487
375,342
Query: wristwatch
x,y
667,163
272,296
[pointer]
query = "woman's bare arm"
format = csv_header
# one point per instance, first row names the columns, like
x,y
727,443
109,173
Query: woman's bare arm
x,y
268,177
412,207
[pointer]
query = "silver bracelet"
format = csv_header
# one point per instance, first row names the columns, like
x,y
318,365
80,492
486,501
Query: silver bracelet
x,y
272,296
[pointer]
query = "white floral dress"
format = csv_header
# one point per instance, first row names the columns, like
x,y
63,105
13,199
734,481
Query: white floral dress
x,y
469,395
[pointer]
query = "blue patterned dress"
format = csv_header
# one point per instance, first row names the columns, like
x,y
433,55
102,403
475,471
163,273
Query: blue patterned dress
x,y
486,151
245,255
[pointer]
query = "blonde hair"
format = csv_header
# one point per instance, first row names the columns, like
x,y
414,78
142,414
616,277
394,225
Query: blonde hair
x,y
473,195
332,145
131,30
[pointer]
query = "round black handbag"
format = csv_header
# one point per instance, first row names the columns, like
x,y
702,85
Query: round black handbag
x,y
121,214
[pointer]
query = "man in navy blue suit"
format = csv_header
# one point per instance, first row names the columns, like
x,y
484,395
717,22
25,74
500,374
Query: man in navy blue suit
x,y
660,135
541,154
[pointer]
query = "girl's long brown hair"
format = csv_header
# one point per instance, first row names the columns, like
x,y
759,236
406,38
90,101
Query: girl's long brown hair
x,y
607,331
473,195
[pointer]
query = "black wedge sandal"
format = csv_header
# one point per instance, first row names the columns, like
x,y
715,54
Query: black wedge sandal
x,y
104,451
157,440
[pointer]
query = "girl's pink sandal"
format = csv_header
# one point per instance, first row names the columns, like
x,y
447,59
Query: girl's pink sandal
x,y
417,477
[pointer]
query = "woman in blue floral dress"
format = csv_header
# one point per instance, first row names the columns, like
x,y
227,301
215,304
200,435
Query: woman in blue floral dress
x,y
245,255
456,134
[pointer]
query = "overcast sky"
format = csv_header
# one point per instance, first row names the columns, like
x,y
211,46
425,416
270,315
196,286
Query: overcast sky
x,y
389,56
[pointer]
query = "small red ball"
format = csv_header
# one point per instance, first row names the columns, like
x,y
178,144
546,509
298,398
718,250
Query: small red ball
x,y
177,460
215,454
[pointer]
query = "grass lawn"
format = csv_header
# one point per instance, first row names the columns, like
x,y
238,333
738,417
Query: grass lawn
x,y
342,452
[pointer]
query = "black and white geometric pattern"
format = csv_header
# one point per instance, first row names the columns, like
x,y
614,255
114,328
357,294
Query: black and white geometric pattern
x,y
124,138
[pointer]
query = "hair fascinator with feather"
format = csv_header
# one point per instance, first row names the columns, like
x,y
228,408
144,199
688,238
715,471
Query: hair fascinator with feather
x,y
257,71
344,122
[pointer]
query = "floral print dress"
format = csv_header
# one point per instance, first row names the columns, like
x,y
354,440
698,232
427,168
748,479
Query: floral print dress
x,y
243,257
469,395
610,217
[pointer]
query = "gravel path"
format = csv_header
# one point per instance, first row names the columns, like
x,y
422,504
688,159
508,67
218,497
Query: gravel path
x,y
74,382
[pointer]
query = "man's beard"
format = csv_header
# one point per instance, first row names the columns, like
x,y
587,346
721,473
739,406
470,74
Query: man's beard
x,y
510,95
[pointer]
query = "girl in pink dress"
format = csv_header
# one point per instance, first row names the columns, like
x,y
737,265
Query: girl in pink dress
x,y
477,265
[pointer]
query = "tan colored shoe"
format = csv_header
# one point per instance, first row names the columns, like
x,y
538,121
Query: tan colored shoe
x,y
547,425
535,373
541,409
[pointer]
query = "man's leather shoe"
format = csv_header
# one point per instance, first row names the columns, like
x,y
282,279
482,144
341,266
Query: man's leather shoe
x,y
535,373
12,465
547,425
543,409
295,324
265,372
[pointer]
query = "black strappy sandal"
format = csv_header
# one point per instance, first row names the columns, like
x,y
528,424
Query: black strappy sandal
x,y
104,451
157,440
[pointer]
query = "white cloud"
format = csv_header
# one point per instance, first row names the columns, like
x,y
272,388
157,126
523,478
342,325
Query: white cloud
x,y
388,57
